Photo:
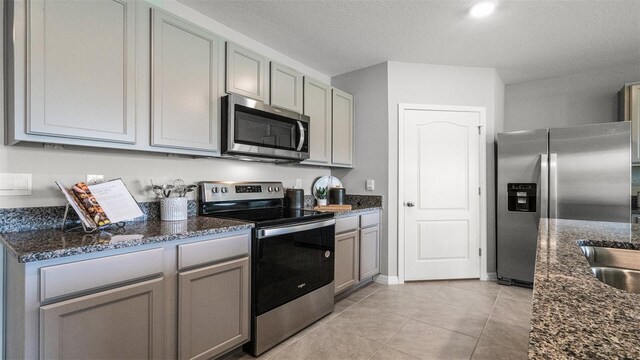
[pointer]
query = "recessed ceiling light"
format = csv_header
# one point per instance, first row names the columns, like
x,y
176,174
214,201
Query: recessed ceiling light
x,y
482,9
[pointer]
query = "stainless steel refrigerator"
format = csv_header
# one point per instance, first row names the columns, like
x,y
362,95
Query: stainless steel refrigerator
x,y
581,172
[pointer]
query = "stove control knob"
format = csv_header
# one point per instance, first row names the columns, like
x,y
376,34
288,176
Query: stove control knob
x,y
270,189
277,188
214,190
224,190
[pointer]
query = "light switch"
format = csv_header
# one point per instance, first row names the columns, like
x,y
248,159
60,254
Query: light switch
x,y
6,181
370,184
15,184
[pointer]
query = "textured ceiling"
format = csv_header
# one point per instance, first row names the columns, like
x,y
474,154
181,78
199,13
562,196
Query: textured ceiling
x,y
523,40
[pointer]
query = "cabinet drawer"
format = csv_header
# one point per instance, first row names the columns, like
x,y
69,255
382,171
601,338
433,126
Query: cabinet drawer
x,y
367,220
346,224
207,251
81,276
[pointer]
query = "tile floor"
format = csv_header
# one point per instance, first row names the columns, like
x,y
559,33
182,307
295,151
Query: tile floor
x,y
461,319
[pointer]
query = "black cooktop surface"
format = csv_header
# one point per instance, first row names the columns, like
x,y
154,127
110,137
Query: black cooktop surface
x,y
273,216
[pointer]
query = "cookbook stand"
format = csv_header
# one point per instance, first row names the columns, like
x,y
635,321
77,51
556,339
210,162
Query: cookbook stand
x,y
87,229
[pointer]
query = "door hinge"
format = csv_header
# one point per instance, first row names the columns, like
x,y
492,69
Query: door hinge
x,y
479,191
479,251
479,129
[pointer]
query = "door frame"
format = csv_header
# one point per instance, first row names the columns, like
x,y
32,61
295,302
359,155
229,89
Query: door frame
x,y
482,111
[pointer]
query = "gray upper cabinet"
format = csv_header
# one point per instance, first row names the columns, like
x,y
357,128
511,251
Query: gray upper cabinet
x,y
185,98
342,132
82,71
122,323
213,314
317,105
286,87
246,73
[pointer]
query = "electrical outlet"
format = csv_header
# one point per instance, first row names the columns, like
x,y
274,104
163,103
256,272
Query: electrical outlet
x,y
298,184
15,184
94,179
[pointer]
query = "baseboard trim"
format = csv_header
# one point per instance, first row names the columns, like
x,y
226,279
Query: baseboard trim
x,y
387,280
490,277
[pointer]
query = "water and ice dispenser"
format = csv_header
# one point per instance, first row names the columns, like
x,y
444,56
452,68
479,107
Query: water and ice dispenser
x,y
521,197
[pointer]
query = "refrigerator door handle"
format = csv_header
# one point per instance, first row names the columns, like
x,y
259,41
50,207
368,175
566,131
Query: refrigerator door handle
x,y
553,186
544,185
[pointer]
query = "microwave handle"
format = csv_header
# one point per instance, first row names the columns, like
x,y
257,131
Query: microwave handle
x,y
301,143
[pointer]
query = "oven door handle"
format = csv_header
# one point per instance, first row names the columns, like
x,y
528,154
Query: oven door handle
x,y
276,231
301,136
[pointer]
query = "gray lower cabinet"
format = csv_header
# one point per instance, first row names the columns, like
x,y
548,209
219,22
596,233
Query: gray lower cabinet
x,y
342,131
346,261
122,323
213,314
317,105
247,73
81,70
357,249
186,298
185,110
369,251
286,87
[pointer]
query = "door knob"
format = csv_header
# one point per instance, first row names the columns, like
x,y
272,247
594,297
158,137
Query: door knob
x,y
411,204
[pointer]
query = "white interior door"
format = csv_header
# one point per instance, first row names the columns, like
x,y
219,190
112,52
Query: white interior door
x,y
441,194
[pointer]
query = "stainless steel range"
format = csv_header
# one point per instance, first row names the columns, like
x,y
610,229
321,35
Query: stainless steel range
x,y
292,258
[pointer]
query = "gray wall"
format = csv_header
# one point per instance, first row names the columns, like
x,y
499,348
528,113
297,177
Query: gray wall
x,y
369,87
377,91
443,85
587,97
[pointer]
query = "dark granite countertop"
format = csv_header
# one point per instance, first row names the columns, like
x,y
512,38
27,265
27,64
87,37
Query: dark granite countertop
x,y
357,209
575,316
28,246
354,210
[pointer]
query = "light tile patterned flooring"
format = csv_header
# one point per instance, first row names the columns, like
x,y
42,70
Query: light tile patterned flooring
x,y
461,319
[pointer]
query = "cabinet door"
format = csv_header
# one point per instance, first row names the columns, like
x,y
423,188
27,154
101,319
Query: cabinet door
x,y
369,253
286,87
213,314
342,115
634,114
346,261
82,71
317,105
122,323
185,111
246,73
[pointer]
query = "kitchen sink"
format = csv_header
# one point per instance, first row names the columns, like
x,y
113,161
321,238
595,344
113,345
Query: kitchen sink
x,y
619,268
624,279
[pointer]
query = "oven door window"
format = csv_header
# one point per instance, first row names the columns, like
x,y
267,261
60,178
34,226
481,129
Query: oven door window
x,y
258,128
291,265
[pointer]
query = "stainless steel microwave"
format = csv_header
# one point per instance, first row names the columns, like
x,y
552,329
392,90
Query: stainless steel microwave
x,y
254,130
